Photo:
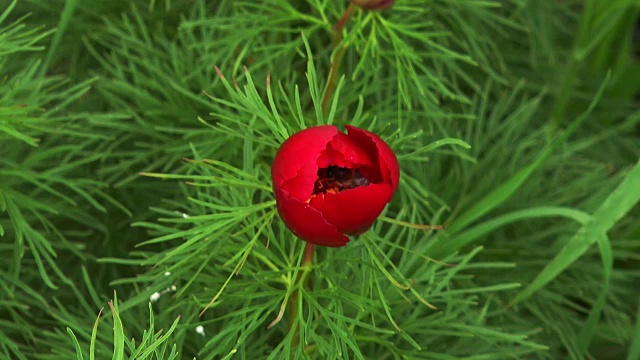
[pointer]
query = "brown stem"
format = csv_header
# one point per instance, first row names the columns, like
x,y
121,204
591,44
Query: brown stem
x,y
309,250
307,261
337,58
337,29
333,76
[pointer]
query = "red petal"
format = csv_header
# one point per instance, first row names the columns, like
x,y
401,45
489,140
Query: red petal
x,y
295,166
306,222
354,211
343,151
389,168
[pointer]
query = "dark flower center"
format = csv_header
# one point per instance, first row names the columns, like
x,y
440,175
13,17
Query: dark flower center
x,y
335,179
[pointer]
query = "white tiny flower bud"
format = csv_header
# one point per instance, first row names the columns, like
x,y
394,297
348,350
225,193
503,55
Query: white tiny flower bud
x,y
200,330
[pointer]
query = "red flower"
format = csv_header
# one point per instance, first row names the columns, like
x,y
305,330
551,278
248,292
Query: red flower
x,y
374,4
329,184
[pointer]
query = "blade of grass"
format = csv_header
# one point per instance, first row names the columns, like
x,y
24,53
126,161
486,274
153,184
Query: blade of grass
x,y
475,232
589,328
312,78
94,334
634,349
76,345
504,191
153,347
65,19
7,11
118,331
615,206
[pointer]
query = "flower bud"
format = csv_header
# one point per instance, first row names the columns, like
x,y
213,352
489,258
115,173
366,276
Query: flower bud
x,y
330,185
373,4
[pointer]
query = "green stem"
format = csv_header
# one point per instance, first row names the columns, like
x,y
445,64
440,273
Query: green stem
x,y
294,302
571,73
337,58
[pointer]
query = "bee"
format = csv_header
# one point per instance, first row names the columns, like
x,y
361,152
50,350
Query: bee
x,y
335,179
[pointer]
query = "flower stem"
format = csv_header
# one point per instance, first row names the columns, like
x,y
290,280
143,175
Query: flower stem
x,y
337,29
307,261
337,57
304,277
309,250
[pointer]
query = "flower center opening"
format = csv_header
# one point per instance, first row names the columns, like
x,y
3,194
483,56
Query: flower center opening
x,y
335,179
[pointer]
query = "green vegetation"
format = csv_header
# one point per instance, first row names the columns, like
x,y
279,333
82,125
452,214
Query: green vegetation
x,y
136,213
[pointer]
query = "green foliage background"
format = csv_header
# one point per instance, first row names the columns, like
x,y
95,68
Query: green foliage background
x,y
130,166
